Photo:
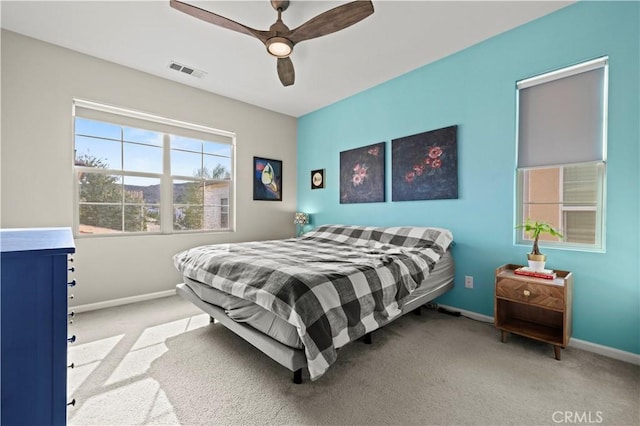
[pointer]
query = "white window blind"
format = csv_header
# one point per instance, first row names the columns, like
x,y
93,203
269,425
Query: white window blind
x,y
562,116
135,119
580,184
579,226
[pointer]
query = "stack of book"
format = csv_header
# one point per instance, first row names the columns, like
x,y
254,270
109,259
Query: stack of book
x,y
544,273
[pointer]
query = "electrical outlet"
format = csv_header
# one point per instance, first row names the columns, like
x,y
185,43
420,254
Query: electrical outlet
x,y
468,281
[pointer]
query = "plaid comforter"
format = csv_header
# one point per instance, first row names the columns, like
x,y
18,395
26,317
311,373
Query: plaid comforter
x,y
334,284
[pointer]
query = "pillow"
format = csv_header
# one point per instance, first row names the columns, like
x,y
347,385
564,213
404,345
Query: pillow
x,y
400,236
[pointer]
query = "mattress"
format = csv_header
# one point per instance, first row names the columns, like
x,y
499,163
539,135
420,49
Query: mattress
x,y
244,311
335,284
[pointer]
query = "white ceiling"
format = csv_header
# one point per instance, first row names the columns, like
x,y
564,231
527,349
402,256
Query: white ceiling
x,y
146,35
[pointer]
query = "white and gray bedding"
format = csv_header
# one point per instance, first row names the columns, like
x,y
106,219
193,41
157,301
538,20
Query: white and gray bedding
x,y
333,285
245,311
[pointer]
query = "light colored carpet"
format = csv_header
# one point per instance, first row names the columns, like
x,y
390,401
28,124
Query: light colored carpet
x,y
161,362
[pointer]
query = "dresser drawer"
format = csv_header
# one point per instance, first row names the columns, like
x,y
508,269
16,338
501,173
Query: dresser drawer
x,y
546,296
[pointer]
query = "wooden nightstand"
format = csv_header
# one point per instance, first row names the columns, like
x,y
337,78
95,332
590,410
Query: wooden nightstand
x,y
537,308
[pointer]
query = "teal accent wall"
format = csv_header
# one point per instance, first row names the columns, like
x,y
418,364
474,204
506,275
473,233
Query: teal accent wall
x,y
475,89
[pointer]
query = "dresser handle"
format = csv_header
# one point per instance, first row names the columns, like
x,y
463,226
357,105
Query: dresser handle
x,y
527,293
71,314
72,283
73,402
70,259
71,296
71,339
72,365
72,269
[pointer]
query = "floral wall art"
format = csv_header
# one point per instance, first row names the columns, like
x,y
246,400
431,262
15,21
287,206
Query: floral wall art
x,y
425,166
362,174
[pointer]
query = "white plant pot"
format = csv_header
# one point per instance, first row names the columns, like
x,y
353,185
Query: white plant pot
x,y
536,265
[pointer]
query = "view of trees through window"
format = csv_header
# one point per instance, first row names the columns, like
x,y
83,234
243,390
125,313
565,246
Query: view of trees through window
x,y
106,203
121,170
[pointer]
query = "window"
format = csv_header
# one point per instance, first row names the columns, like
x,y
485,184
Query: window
x,y
562,153
567,198
138,173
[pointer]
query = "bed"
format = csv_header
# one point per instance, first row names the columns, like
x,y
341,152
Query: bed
x,y
298,300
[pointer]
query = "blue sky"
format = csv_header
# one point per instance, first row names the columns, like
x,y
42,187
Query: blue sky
x,y
142,150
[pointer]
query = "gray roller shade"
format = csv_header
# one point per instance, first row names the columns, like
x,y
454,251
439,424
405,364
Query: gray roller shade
x,y
561,121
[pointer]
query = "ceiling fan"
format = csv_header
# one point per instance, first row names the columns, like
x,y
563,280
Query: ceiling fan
x,y
279,39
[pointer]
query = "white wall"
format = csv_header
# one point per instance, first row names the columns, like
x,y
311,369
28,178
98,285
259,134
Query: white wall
x,y
39,81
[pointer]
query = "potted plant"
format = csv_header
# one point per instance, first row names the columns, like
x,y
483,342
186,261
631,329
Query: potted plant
x,y
534,229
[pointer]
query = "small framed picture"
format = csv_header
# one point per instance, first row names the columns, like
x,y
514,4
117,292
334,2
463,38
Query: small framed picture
x,y
317,179
267,179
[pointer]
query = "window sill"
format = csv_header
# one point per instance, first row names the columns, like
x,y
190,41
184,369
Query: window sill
x,y
567,247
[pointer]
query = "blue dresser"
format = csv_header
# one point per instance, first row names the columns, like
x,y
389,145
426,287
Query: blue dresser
x,y
33,301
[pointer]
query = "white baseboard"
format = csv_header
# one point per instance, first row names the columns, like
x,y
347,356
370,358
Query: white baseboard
x,y
122,301
574,343
606,351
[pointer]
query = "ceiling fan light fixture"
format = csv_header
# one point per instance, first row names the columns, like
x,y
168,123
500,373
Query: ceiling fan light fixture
x,y
279,39
279,47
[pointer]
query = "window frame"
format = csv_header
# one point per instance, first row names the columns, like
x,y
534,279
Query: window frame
x,y
521,181
166,203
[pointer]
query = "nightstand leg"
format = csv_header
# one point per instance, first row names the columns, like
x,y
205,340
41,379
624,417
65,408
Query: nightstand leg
x,y
557,353
503,336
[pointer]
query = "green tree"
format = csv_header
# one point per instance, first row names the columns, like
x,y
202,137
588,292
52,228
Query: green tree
x,y
101,189
135,216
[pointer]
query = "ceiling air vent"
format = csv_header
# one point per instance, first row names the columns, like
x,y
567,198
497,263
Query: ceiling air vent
x,y
187,70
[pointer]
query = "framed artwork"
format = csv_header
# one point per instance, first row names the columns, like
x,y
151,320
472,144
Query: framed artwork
x,y
267,179
362,174
425,166
317,179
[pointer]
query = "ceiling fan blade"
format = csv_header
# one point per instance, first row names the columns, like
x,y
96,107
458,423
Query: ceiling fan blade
x,y
218,20
285,71
331,21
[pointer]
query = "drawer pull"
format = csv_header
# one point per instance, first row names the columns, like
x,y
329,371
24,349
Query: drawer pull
x,y
72,365
71,296
72,283
73,402
72,339
72,269
70,259
527,293
71,314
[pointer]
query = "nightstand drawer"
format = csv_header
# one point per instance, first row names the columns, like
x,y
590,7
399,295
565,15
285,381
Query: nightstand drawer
x,y
531,293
